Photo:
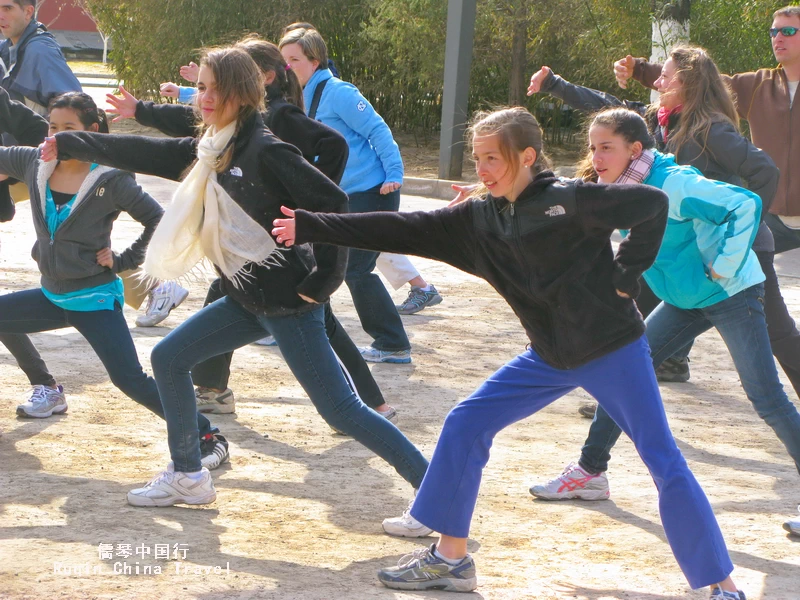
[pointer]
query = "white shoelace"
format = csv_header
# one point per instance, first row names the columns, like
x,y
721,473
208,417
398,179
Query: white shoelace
x,y
167,476
418,556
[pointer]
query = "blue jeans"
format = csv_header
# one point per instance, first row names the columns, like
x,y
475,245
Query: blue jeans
x,y
105,330
741,323
224,326
376,311
624,383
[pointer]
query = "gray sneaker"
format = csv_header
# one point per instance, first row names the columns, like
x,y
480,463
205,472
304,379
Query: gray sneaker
x,y
422,570
372,354
216,403
419,299
793,525
44,402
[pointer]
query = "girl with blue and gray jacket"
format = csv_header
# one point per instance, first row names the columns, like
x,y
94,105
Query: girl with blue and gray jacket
x,y
706,273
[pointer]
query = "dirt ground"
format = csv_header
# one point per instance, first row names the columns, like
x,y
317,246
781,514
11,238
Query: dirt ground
x,y
299,509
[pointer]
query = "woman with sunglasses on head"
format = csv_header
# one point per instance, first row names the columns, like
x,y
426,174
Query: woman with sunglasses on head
x,y
321,146
242,174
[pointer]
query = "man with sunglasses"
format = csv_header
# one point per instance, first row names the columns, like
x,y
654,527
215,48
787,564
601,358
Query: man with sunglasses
x,y
764,98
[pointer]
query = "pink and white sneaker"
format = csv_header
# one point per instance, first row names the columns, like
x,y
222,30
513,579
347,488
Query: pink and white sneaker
x,y
574,484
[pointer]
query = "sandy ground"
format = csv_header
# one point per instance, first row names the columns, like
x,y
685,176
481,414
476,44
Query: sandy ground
x,y
299,510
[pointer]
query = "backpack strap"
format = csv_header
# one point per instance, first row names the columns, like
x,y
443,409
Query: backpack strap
x,y
312,112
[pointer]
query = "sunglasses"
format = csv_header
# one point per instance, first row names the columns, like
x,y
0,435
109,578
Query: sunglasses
x,y
784,31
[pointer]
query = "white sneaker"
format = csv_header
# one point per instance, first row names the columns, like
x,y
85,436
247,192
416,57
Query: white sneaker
x,y
161,301
44,402
574,483
406,525
793,525
170,487
215,403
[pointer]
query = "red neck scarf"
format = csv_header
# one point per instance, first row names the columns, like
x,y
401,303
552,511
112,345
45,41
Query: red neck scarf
x,y
664,115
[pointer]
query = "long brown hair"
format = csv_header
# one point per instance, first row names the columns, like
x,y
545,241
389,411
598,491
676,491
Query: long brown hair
x,y
238,80
706,98
516,129
269,59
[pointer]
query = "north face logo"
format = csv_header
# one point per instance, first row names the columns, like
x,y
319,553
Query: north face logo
x,y
555,211
236,172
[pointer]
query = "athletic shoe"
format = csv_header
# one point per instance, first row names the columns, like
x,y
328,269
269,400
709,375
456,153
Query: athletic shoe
x,y
44,402
389,415
574,484
587,410
793,525
406,525
423,570
720,594
160,302
170,487
372,354
419,299
213,451
266,341
673,370
216,403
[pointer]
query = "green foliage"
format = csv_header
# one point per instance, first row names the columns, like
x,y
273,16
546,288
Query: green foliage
x,y
393,50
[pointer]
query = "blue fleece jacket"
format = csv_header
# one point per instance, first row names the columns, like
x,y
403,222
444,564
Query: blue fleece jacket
x,y
374,155
710,224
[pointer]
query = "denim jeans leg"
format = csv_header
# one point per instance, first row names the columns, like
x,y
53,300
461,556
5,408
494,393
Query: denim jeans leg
x,y
376,311
302,340
741,323
222,326
668,330
28,358
783,334
215,372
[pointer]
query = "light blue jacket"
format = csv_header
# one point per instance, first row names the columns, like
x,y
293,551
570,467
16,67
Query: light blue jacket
x,y
709,224
374,155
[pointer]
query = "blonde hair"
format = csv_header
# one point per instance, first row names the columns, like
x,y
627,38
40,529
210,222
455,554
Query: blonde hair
x,y
311,42
706,98
787,11
238,79
516,129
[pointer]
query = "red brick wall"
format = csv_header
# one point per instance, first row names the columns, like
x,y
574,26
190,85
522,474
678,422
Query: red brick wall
x,y
63,15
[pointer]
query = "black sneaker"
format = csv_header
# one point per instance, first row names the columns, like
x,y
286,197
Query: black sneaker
x,y
419,299
673,370
213,450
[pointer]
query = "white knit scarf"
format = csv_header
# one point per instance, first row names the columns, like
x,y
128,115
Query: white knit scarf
x,y
204,222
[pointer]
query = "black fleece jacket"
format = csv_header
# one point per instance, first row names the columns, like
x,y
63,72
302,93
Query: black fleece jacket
x,y
323,147
264,174
548,254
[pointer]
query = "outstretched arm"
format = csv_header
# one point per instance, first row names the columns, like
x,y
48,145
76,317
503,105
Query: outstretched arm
x,y
578,97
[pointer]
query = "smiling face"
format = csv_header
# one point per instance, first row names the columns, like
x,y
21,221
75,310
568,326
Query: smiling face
x,y
669,86
67,119
212,110
503,178
611,153
786,48
301,65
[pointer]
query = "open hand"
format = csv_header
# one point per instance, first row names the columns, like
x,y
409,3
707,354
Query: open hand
x,y
124,105
105,258
537,79
623,70
169,89
190,72
284,229
463,193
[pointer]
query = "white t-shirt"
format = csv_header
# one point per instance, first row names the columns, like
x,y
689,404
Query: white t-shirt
x,y
792,90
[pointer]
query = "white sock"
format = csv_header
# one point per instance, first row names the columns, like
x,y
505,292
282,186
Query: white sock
x,y
449,561
427,288
196,476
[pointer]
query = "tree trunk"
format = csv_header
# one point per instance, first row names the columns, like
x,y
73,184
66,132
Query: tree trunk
x,y
519,65
670,20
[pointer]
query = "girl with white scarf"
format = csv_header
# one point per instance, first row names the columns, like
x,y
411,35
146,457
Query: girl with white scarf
x,y
222,213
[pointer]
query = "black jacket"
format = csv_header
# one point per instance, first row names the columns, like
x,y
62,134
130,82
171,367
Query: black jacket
x,y
264,174
548,254
726,155
322,146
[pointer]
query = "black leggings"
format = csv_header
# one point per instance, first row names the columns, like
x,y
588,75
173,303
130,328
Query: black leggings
x,y
215,372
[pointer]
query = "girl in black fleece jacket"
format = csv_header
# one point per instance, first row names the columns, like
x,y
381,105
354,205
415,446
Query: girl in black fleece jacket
x,y
282,294
544,245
